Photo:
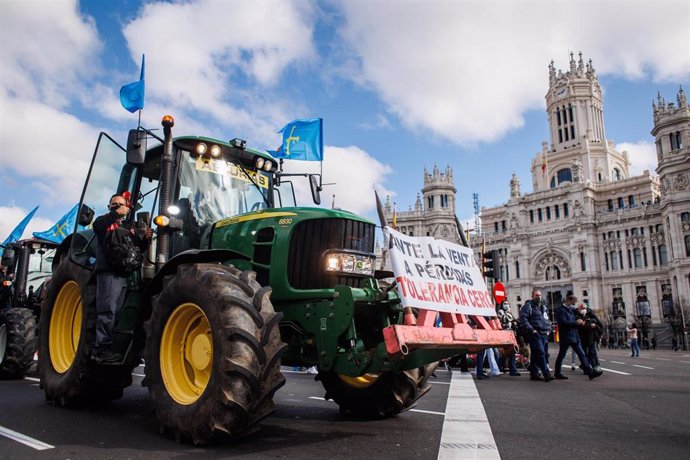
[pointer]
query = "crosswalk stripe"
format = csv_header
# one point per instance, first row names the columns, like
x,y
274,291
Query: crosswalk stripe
x,y
615,372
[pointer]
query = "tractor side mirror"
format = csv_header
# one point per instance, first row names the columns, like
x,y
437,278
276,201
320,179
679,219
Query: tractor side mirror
x,y
315,189
8,257
136,147
85,215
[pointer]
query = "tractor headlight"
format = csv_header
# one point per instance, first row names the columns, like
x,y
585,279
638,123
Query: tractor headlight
x,y
215,151
259,162
350,263
268,165
201,148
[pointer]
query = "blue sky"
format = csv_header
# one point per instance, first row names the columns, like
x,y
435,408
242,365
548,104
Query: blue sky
x,y
400,85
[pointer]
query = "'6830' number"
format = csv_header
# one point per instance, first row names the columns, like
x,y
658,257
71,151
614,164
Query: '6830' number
x,y
285,221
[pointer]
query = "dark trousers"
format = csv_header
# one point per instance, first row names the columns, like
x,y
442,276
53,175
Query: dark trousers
x,y
110,296
592,354
563,349
539,350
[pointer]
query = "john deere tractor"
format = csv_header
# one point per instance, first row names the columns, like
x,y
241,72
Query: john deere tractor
x,y
28,269
237,281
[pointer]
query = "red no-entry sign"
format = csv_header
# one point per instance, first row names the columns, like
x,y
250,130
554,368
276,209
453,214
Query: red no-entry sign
x,y
499,292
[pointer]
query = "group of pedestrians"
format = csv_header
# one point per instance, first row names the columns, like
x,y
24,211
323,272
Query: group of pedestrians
x,y
579,329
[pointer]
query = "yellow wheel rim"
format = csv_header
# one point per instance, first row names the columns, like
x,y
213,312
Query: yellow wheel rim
x,y
186,354
65,327
361,381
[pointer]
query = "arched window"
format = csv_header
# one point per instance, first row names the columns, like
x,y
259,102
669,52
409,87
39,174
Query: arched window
x,y
637,257
685,216
663,256
617,174
563,175
614,260
687,245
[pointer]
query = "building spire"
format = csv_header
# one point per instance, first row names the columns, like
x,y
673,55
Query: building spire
x,y
681,98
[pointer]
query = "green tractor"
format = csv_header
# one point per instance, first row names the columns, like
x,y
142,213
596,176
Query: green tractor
x,y
238,281
28,262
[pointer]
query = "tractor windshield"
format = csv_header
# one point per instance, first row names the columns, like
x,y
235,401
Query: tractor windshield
x,y
217,188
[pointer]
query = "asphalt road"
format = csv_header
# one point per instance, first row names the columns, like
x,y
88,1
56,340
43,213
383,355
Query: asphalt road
x,y
637,409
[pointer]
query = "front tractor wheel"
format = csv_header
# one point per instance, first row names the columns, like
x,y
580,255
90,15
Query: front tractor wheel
x,y
212,353
377,395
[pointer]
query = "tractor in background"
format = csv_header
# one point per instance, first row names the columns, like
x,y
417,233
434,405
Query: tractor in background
x,y
28,263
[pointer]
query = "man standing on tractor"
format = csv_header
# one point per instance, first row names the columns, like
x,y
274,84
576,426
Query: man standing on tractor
x,y
6,280
112,272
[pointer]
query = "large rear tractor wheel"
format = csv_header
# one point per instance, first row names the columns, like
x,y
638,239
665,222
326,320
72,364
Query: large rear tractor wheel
x,y
377,395
18,342
67,335
212,353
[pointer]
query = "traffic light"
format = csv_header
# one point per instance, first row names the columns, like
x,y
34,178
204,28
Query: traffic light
x,y
490,264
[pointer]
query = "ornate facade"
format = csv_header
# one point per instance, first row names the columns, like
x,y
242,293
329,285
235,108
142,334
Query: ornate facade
x,y
617,241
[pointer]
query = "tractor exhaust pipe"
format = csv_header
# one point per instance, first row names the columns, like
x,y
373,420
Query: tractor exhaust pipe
x,y
167,169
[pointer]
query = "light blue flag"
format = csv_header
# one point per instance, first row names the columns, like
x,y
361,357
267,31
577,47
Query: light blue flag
x,y
302,140
61,229
18,230
132,95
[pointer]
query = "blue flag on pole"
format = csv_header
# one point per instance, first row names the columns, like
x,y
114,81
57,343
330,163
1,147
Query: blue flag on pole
x,y
61,229
302,140
132,95
18,230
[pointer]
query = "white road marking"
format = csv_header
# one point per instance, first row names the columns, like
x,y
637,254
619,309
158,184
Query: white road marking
x,y
440,383
617,362
138,375
643,367
466,430
316,397
686,362
24,439
615,372
427,412
32,379
662,359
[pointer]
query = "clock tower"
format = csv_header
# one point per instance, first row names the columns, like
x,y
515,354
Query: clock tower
x,y
579,150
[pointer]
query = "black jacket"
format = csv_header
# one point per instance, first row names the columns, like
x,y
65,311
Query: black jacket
x,y
107,223
588,334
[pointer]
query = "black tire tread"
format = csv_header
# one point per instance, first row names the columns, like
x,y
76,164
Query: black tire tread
x,y
246,361
22,342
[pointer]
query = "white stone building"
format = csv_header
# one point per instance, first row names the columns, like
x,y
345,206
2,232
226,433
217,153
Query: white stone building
x,y
619,242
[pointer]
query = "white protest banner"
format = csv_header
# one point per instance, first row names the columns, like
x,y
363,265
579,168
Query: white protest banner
x,y
438,275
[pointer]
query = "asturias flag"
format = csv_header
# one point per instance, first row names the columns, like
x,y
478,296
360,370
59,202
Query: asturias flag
x,y
132,95
302,140
61,229
18,230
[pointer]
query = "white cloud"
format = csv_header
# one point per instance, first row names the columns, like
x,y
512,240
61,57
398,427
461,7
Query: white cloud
x,y
642,156
349,173
228,57
467,71
10,216
50,148
49,50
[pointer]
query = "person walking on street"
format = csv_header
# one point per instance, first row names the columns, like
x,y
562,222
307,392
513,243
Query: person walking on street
x,y
653,342
535,323
567,327
589,333
674,343
634,346
111,284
